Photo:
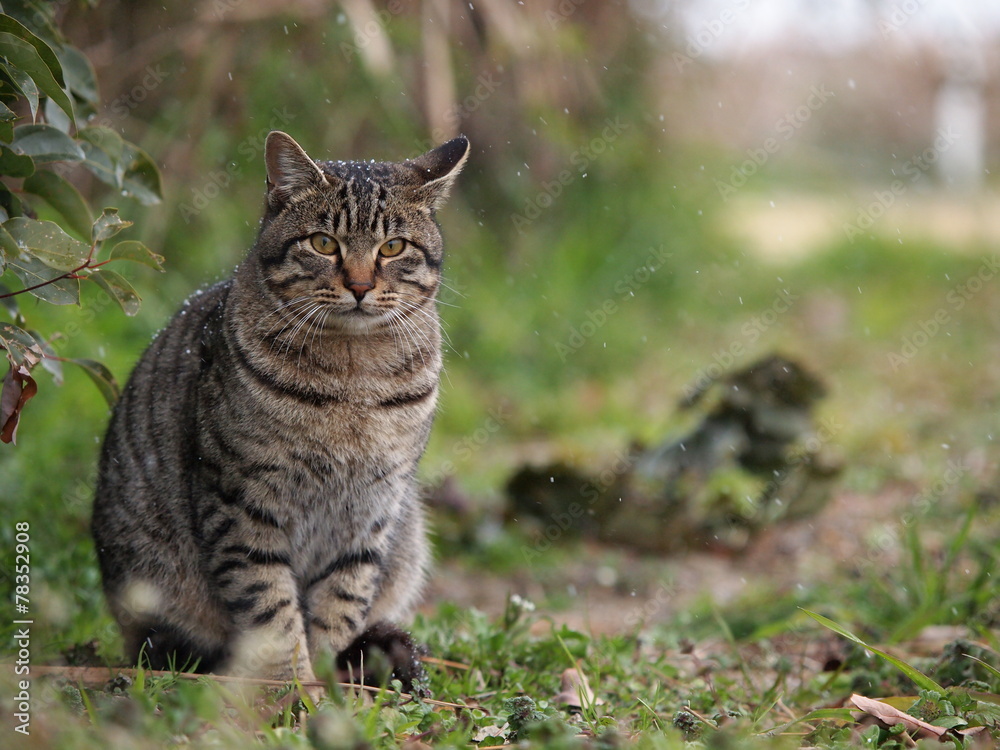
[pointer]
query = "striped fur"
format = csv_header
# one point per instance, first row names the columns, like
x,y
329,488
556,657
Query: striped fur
x,y
256,499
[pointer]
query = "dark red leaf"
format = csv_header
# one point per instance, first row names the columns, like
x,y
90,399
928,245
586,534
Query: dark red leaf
x,y
18,388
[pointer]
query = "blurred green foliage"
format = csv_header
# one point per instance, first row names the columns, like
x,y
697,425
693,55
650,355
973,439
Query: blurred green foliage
x,y
48,93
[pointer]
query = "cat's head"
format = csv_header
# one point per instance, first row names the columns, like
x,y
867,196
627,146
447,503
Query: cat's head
x,y
359,239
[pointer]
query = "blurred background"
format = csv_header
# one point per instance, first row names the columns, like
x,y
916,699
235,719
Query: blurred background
x,y
659,193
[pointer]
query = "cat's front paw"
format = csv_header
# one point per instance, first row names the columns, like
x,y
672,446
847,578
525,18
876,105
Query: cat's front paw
x,y
382,653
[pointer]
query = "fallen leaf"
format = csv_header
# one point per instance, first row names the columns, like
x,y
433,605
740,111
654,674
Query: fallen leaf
x,y
576,692
490,731
970,731
18,388
888,714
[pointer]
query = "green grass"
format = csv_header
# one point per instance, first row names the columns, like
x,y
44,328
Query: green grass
x,y
649,690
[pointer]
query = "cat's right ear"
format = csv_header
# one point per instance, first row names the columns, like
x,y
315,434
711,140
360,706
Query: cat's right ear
x,y
289,168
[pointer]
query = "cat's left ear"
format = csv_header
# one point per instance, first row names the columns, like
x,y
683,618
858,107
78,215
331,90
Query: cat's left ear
x,y
289,168
439,167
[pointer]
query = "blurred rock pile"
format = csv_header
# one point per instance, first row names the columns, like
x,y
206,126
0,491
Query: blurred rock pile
x,y
756,456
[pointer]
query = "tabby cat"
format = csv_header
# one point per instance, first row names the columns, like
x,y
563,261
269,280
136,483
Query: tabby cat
x,y
256,500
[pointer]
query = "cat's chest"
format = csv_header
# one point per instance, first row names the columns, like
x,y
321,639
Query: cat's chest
x,y
336,497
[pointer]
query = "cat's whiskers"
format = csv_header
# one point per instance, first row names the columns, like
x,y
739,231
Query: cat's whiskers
x,y
315,326
404,298
396,336
451,289
404,312
413,308
294,333
283,308
420,343
413,345
286,314
295,319
446,304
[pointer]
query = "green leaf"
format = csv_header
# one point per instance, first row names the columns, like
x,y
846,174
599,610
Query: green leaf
x,y
120,164
949,722
102,150
117,287
23,55
46,241
56,117
63,197
138,253
10,204
142,177
102,378
22,84
50,362
37,15
79,73
989,667
8,248
104,139
108,224
50,287
13,164
985,713
45,143
7,118
918,677
45,52
10,303
20,345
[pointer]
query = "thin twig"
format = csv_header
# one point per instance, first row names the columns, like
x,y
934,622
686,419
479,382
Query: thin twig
x,y
444,662
87,676
67,275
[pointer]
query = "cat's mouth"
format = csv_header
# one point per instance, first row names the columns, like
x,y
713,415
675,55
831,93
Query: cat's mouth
x,y
357,319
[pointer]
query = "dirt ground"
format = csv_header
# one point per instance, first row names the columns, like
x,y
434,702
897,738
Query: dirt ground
x,y
852,530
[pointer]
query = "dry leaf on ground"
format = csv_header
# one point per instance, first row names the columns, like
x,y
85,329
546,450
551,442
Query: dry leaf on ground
x,y
888,714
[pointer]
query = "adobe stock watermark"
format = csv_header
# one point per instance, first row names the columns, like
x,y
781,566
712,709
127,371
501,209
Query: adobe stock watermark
x,y
642,612
956,299
590,492
786,126
581,159
898,16
914,168
562,12
372,29
725,358
708,34
219,179
122,106
465,447
826,430
222,8
888,537
624,288
486,86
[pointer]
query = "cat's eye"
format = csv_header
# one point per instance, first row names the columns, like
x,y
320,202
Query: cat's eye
x,y
323,243
392,248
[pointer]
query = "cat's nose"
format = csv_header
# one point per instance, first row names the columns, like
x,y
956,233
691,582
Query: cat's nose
x,y
359,288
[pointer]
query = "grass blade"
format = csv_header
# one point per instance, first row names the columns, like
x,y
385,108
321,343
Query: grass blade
x,y
918,677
